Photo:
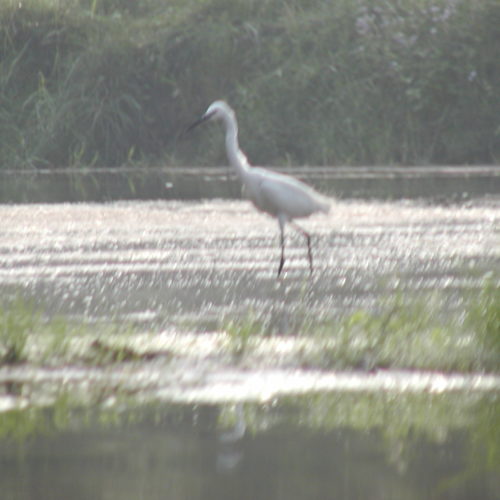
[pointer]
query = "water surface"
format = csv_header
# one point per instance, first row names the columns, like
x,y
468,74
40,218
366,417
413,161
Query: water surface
x,y
166,261
187,420
278,451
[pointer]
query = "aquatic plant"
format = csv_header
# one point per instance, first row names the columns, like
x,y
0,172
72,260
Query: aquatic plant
x,y
420,334
18,319
401,333
483,318
243,332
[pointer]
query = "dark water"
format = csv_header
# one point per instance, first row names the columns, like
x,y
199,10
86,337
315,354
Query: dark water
x,y
186,454
107,184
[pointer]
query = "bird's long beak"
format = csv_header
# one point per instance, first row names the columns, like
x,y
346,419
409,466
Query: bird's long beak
x,y
204,118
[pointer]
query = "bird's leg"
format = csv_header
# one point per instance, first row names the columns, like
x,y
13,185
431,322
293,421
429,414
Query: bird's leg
x,y
282,243
308,239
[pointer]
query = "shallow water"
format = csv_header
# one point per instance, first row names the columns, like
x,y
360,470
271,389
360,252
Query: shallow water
x,y
168,261
172,267
278,451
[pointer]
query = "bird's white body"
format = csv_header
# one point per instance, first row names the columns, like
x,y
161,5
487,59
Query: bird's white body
x,y
279,195
282,196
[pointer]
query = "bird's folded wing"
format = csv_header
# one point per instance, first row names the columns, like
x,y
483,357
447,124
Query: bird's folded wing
x,y
287,196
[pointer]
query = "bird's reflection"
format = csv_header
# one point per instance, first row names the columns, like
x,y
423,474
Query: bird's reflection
x,y
230,444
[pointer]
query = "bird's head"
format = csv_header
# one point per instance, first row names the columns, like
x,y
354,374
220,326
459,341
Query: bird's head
x,y
218,110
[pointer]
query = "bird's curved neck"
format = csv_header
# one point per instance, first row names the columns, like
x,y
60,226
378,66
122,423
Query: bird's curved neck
x,y
236,157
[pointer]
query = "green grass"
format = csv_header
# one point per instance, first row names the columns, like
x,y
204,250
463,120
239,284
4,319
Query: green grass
x,y
405,333
113,82
26,336
416,334
483,318
243,333
18,320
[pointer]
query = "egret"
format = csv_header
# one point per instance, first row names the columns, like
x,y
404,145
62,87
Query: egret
x,y
276,194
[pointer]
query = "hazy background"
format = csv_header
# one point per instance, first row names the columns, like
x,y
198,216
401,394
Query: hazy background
x,y
314,82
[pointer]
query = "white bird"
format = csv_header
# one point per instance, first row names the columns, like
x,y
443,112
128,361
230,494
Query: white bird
x,y
279,195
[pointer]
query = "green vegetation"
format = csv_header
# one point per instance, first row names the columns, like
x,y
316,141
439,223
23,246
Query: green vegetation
x,y
113,82
418,335
484,318
27,337
244,333
22,423
405,420
17,321
404,334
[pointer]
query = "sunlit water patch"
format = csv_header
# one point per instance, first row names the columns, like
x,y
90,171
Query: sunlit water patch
x,y
180,259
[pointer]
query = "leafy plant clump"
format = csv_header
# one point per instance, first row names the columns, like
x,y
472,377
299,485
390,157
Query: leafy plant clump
x,y
17,321
405,333
113,82
419,334
483,317
242,334
26,336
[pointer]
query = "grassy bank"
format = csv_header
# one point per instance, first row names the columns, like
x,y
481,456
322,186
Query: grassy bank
x,y
112,82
